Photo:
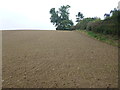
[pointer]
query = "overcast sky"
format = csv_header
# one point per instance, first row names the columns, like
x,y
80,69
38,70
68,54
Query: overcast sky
x,y
34,14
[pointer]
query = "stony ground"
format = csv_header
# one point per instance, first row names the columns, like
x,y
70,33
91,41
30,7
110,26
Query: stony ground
x,y
57,59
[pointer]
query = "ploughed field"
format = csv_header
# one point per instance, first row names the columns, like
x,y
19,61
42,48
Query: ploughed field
x,y
57,59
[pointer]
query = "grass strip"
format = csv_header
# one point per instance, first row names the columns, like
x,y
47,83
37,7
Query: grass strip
x,y
109,39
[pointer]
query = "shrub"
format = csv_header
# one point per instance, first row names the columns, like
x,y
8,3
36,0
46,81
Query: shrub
x,y
109,26
82,25
104,27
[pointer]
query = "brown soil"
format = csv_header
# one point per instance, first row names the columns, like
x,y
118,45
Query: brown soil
x,y
57,59
0,59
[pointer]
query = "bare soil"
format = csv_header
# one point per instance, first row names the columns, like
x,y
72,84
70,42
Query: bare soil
x,y
0,59
57,59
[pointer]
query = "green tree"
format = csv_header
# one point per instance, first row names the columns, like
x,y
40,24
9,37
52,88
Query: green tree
x,y
61,18
106,15
54,17
79,17
115,14
65,25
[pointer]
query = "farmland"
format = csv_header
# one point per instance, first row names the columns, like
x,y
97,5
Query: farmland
x,y
57,59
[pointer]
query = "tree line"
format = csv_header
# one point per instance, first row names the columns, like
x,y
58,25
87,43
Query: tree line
x,y
110,25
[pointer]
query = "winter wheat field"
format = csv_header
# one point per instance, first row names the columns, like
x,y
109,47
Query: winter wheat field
x,y
57,59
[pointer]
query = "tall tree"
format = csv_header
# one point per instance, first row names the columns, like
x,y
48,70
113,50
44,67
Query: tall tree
x,y
114,12
106,15
79,17
61,18
54,16
64,12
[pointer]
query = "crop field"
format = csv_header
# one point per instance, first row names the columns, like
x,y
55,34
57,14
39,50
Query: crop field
x,y
57,59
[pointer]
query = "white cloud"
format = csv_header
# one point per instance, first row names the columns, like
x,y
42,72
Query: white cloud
x,y
15,14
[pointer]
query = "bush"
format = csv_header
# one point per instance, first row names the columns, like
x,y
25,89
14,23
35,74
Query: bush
x,y
82,25
104,27
109,26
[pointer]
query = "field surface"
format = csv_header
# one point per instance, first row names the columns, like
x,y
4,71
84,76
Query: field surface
x,y
0,60
57,59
